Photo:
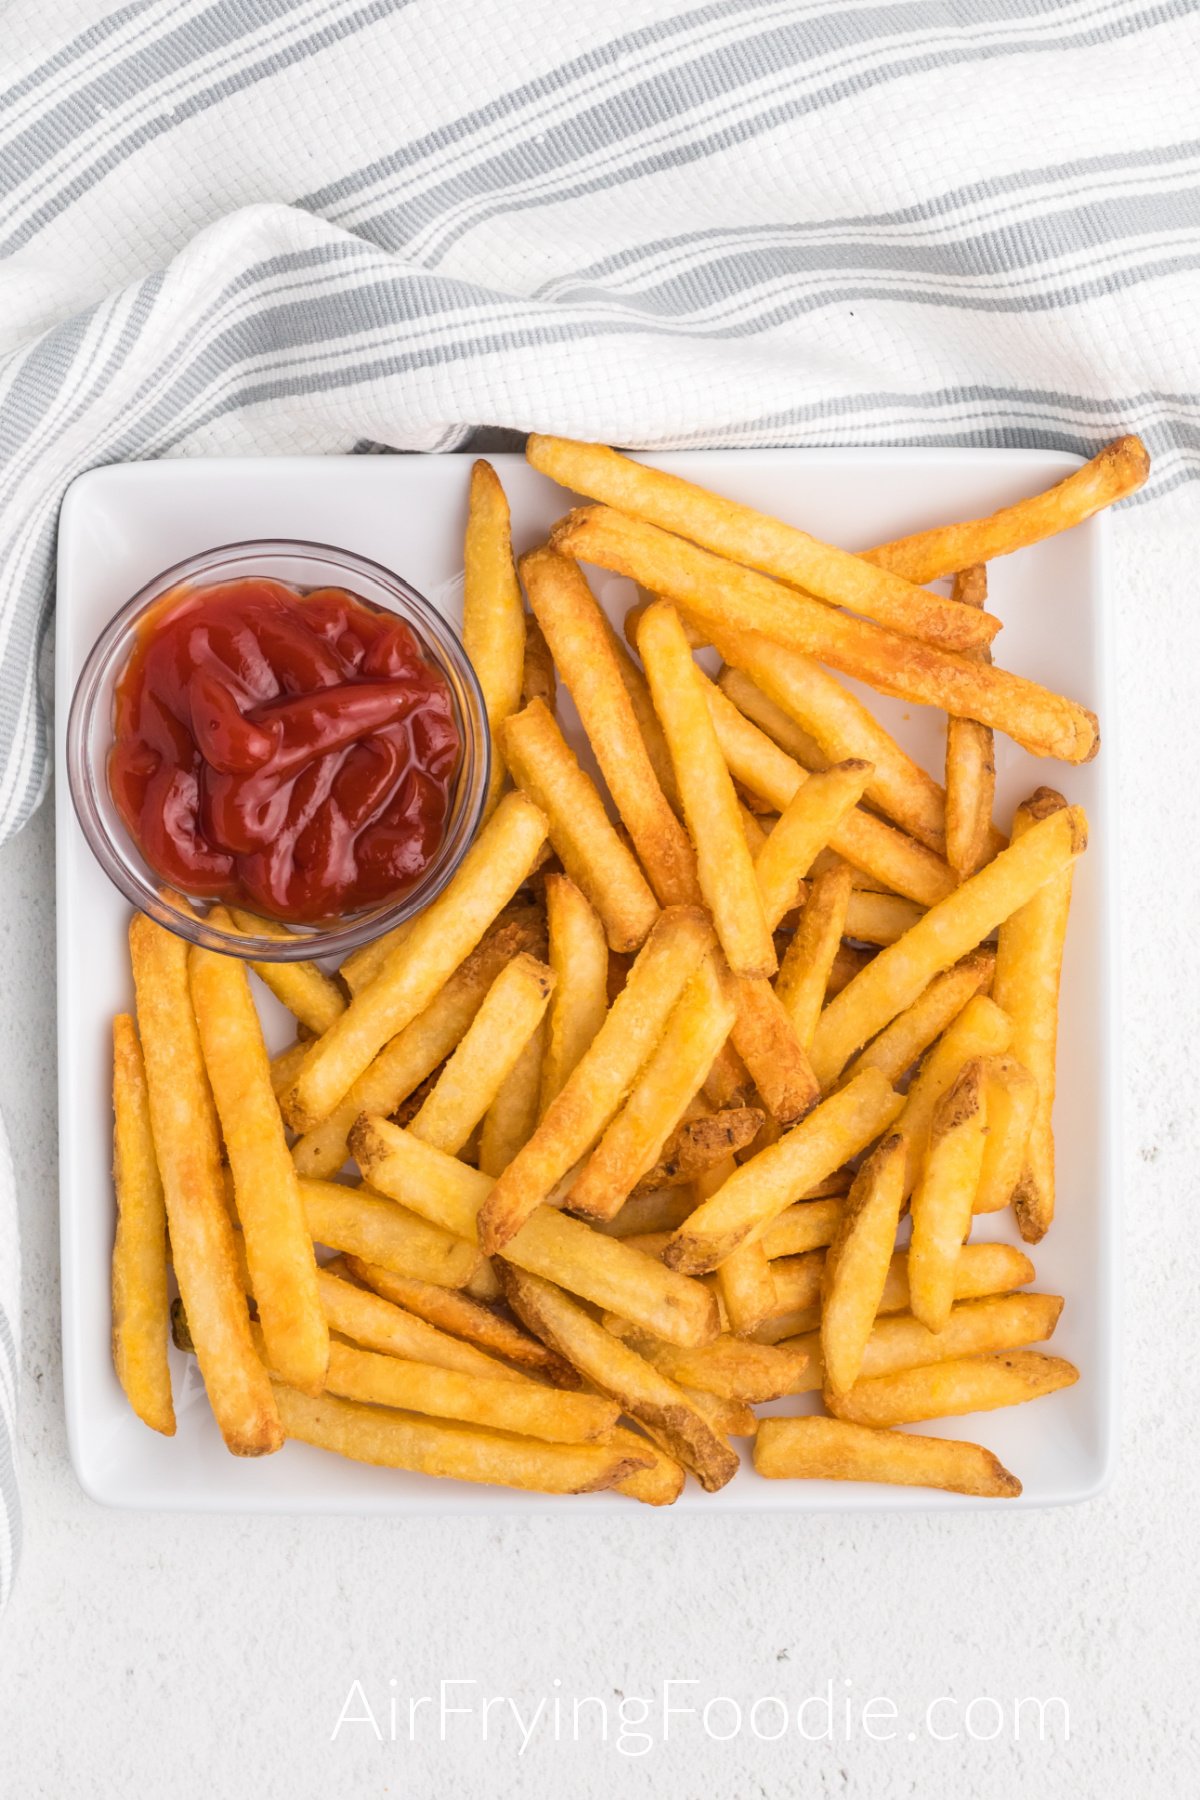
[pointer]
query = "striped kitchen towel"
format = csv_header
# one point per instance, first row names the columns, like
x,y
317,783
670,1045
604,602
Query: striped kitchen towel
x,y
333,225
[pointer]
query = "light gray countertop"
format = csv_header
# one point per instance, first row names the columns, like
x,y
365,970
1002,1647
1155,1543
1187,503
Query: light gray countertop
x,y
212,1656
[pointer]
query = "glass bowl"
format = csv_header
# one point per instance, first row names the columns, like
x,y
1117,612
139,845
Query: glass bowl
x,y
305,566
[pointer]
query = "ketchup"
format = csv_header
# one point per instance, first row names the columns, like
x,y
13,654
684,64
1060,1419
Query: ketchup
x,y
294,752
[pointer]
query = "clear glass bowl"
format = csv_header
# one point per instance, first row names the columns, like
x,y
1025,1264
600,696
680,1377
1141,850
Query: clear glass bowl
x,y
305,566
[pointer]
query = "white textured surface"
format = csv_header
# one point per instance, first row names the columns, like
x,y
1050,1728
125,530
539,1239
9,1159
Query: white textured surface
x,y
210,1657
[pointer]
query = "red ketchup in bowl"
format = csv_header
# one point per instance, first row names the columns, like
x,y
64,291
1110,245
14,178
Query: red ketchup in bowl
x,y
292,752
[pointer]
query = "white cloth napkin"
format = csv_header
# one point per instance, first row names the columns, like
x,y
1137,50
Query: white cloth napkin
x,y
323,225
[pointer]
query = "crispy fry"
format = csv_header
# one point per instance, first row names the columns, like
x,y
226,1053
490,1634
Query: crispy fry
x,y
806,1225
414,1053
139,1265
538,679
511,1119
1012,1096
798,1283
898,1341
493,627
363,965
1028,972
310,995
961,1385
285,1065
980,1029
958,924
804,829
659,1405
511,1013
579,637
396,1440
592,852
911,1032
598,1084
944,1196
1118,469
184,1123
779,725
760,1190
981,1269
693,1147
747,1288
970,759
374,1322
653,736
725,869
453,1312
660,1210
804,977
446,932
732,1418
746,536
730,1368
360,1223
834,1450
579,959
857,1262
767,1042
658,1485
880,918
849,961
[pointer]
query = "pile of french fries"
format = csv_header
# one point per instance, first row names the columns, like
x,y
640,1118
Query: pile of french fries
x,y
638,1104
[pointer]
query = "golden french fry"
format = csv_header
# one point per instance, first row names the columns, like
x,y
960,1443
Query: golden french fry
x,y
728,1082
944,1196
680,940
360,1223
898,1341
868,842
279,1250
662,1209
958,924
139,1264
511,1119
900,1044
970,758
1028,972
766,1040
806,1225
804,829
493,626
779,726
804,976
819,1449
446,932
184,1123
746,536
285,1066
880,918
591,851
760,1190
754,834
980,1029
695,1031
538,680
658,1485
653,736
397,1440
310,995
732,1418
363,965
848,962
601,1269
641,1390
965,1384
371,1320
710,806
747,1288
511,1012
462,1317
581,641
730,1367
414,1053
858,1260
579,959
1012,1096
1118,469
697,1144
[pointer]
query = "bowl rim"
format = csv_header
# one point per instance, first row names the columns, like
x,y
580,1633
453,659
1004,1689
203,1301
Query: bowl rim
x,y
438,639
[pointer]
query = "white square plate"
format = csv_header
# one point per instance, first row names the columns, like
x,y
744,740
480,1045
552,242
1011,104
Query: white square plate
x,y
121,525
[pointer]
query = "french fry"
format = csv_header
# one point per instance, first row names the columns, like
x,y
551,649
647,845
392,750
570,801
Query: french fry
x,y
697,1144
779,725
730,1368
804,976
754,833
834,1450
898,1341
493,626
374,1322
980,1029
641,1390
746,536
1044,723
981,1269
710,807
286,1064
1012,1096
279,1251
805,1225
661,1483
360,1223
566,1251
184,1123
880,918
363,965
511,1119
396,1440
600,1081
767,1042
660,1210
653,736
747,1288
900,1044
728,1082
139,1265
944,1196
960,1385
511,1013
1118,469
591,851
446,932
1028,972
414,1053
970,759
695,1031
805,827
798,1282
732,1418
579,959
745,1206
847,963
581,642
857,1262
464,1318
310,995
866,841
958,924
538,680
